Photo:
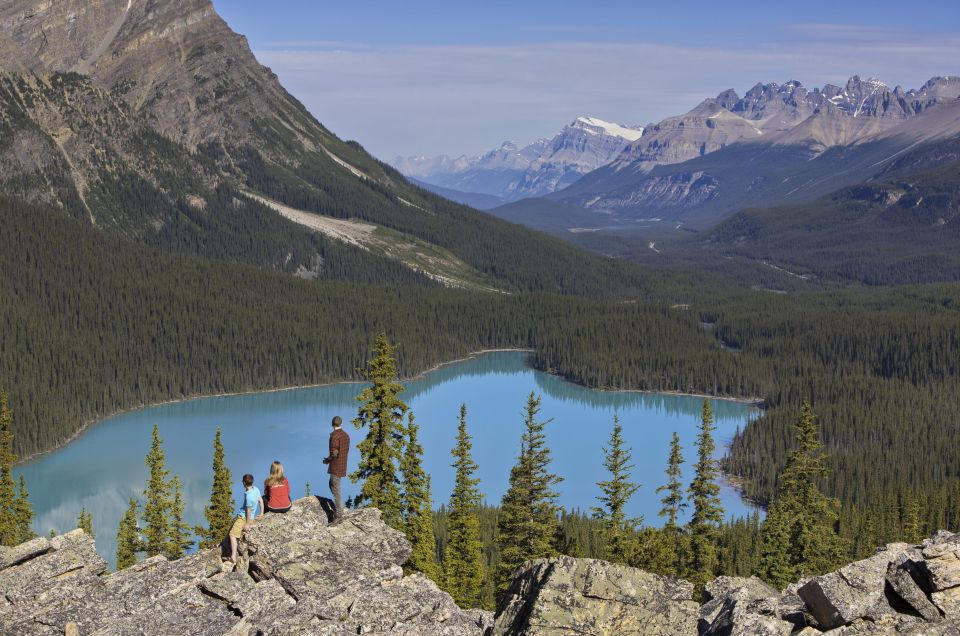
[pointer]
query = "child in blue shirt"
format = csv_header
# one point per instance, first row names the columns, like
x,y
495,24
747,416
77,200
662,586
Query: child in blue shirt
x,y
252,501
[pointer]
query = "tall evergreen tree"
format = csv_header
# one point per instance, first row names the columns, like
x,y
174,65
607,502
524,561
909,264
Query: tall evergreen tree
x,y
704,494
463,556
913,528
23,513
181,539
800,533
85,521
672,501
673,504
615,493
9,533
381,412
417,507
219,512
156,509
528,514
128,537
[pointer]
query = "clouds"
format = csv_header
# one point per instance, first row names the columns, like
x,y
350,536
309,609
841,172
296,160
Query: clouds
x,y
431,99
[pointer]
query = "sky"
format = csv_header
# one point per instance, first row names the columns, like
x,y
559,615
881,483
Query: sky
x,y
429,77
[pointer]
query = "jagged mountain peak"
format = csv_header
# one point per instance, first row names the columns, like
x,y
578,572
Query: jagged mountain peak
x,y
511,173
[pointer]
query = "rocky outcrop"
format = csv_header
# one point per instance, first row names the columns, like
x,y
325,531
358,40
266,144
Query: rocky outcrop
x,y
902,589
297,575
556,597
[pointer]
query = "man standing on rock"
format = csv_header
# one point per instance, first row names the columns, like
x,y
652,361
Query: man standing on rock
x,y
337,462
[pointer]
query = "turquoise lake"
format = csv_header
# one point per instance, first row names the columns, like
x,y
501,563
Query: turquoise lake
x,y
104,467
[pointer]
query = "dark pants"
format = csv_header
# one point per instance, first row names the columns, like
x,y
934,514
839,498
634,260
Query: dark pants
x,y
335,491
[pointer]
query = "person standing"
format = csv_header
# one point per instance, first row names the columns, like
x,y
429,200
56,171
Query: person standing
x,y
337,462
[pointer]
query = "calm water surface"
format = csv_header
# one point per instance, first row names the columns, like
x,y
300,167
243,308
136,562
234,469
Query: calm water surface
x,y
103,468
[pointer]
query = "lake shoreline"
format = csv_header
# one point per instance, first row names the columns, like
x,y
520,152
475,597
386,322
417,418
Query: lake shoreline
x,y
475,354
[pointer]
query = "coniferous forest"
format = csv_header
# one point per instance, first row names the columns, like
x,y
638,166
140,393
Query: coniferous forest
x,y
108,324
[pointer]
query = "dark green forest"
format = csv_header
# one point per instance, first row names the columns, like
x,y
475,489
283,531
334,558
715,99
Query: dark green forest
x,y
94,322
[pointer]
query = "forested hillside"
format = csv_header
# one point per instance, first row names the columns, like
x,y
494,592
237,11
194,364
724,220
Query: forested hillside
x,y
898,230
94,322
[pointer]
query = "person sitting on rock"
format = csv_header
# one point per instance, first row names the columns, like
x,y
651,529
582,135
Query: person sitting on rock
x,y
247,513
276,490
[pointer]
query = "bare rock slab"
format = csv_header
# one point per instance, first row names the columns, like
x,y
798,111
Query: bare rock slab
x,y
563,595
855,591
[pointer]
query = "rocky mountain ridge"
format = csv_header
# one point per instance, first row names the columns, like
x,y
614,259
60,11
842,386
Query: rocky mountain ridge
x,y
768,135
298,574
155,120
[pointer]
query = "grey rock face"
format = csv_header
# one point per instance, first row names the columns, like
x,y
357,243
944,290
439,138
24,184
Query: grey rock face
x,y
561,596
855,591
740,615
903,576
742,606
298,575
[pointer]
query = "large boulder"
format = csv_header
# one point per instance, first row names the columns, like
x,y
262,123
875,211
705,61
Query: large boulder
x,y
563,595
905,578
855,591
717,592
743,615
298,575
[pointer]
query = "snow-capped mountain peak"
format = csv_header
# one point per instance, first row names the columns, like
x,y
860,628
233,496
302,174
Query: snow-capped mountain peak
x,y
511,172
601,127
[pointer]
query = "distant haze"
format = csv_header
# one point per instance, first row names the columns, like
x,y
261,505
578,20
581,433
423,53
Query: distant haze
x,y
430,79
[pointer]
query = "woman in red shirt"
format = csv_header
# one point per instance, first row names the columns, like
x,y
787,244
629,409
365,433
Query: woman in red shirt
x,y
276,490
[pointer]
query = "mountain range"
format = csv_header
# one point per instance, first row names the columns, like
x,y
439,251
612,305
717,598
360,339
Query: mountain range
x,y
510,173
154,120
778,143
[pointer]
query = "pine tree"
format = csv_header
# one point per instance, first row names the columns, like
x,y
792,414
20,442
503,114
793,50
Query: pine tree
x,y
156,509
381,412
528,510
180,540
417,507
616,492
799,535
463,557
219,512
913,530
85,521
23,514
128,537
671,535
672,501
704,494
655,552
9,532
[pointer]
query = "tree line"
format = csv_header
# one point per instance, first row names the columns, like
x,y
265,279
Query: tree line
x,y
94,323
472,550
799,537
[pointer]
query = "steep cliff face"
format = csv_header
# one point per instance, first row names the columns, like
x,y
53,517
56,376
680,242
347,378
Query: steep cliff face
x,y
176,64
70,143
